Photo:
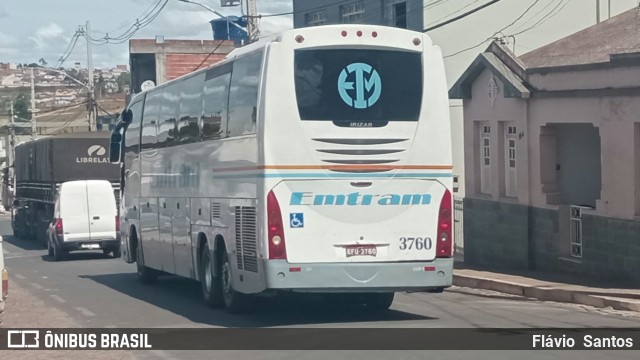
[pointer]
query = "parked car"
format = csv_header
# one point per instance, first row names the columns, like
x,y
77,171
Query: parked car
x,y
85,218
4,287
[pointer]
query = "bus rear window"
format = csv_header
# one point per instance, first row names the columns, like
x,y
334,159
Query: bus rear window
x,y
365,85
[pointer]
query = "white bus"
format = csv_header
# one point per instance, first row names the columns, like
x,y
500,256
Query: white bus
x,y
318,160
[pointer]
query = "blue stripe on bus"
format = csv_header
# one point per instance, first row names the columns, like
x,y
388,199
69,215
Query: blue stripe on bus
x,y
336,175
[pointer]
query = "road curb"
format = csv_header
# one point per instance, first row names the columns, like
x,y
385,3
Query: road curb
x,y
546,294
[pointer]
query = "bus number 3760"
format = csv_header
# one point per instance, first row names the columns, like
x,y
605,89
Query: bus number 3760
x,y
418,243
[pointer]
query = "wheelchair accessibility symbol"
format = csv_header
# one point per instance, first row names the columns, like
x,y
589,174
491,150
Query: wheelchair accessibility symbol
x,y
296,220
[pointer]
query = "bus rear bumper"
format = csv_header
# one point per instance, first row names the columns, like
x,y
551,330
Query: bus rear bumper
x,y
359,277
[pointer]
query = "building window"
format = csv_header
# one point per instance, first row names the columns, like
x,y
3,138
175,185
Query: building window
x,y
395,13
316,18
510,162
485,159
352,13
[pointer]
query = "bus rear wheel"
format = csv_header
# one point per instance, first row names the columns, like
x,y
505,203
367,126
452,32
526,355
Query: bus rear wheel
x,y
235,302
379,301
146,274
211,284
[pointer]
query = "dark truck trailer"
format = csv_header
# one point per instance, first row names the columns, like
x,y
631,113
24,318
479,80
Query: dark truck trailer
x,y
40,166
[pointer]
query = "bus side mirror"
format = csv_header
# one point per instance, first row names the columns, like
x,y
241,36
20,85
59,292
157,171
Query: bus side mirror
x,y
127,116
115,149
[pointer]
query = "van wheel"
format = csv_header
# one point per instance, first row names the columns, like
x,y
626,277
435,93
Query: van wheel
x,y
211,285
58,254
145,274
116,253
49,249
235,302
379,301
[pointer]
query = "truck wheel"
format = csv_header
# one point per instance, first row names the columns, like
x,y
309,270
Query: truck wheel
x,y
211,285
145,274
235,302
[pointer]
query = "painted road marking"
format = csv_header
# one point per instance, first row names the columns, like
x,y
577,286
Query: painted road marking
x,y
58,298
85,312
37,286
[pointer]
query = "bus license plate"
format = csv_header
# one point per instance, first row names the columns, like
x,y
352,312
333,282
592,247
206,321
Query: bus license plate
x,y
362,250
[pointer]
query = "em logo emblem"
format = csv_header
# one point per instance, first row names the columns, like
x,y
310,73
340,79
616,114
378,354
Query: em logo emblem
x,y
355,85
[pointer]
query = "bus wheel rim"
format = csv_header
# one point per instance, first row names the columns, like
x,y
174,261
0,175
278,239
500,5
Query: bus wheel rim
x,y
207,273
226,278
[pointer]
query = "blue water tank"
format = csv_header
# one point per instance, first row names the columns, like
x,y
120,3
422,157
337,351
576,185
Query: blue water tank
x,y
230,28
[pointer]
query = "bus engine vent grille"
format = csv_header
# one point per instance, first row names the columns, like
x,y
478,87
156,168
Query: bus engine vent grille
x,y
246,238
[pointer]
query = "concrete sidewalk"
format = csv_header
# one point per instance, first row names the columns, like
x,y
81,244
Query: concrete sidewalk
x,y
549,287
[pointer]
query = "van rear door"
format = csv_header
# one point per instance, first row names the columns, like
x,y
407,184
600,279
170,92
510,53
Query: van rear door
x,y
74,211
102,210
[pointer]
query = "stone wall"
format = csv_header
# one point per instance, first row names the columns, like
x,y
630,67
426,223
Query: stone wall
x,y
516,237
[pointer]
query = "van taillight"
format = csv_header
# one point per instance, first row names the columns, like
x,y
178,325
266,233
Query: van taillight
x,y
59,228
444,247
277,249
117,223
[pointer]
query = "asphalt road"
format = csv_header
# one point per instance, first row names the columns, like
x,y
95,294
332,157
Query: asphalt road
x,y
99,291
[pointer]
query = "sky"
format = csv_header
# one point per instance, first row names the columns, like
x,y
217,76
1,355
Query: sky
x,y
34,29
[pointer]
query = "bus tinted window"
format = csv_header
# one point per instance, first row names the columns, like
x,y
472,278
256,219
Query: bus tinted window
x,y
168,115
243,96
366,85
132,135
150,119
190,109
216,101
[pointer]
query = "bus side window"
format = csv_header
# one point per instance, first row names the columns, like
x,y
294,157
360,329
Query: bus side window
x,y
216,97
190,109
132,134
167,122
243,96
150,119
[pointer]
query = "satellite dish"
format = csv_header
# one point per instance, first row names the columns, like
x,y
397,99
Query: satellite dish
x,y
147,85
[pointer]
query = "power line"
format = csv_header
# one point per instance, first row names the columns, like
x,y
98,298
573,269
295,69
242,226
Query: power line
x,y
549,15
307,10
207,58
147,18
455,12
497,32
462,16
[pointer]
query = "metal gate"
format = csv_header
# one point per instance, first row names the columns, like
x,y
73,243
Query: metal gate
x,y
458,228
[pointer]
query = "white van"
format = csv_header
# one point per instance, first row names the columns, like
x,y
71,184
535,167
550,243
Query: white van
x,y
85,218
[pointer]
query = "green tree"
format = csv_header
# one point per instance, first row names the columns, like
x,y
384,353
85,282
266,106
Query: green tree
x,y
21,107
122,80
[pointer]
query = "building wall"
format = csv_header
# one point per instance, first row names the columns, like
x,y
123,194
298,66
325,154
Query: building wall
x,y
374,12
613,116
520,237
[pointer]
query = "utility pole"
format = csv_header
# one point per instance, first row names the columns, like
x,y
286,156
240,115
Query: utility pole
x,y
92,114
252,21
597,11
11,142
34,111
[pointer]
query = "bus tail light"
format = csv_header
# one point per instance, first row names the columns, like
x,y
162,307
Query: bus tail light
x,y
277,248
59,227
444,247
